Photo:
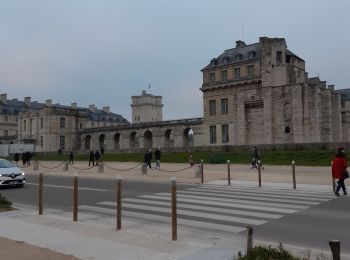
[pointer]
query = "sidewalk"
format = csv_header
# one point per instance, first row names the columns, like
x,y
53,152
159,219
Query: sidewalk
x,y
87,239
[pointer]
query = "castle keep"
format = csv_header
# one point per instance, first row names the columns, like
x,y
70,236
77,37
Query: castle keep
x,y
253,94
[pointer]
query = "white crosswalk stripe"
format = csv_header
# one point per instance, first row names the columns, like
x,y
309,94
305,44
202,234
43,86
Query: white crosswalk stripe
x,y
222,208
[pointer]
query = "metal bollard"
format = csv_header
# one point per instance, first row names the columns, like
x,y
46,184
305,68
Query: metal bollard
x,y
202,172
35,166
65,167
75,197
41,182
100,168
173,209
228,172
293,171
197,172
259,172
249,239
335,248
119,202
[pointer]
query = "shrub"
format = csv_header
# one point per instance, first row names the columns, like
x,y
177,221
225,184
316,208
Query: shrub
x,y
267,253
4,202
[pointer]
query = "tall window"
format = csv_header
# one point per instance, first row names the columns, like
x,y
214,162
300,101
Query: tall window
x,y
62,122
6,118
6,132
31,126
62,142
212,107
41,122
41,141
224,75
224,133
279,57
24,125
81,125
212,77
212,134
250,69
237,73
224,106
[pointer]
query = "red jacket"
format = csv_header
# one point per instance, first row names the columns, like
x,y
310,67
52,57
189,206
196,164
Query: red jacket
x,y
339,165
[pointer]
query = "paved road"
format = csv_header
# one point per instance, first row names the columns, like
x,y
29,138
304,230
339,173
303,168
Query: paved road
x,y
302,217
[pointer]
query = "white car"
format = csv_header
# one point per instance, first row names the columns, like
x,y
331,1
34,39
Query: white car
x,y
10,174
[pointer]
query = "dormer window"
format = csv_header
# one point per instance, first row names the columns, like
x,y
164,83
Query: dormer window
x,y
226,59
238,57
213,62
251,54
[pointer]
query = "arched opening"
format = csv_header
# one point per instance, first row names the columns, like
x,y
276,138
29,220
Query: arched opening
x,y
133,139
101,141
188,137
168,138
11,142
117,141
87,143
147,140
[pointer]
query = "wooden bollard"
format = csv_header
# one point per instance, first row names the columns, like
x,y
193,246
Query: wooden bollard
x,y
293,171
202,172
335,248
259,173
75,197
119,202
41,181
228,172
249,239
173,209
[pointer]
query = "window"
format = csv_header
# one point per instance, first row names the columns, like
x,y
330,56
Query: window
x,y
62,142
211,77
252,54
212,134
224,133
279,57
24,125
224,106
31,126
92,124
6,118
287,130
6,132
62,122
81,125
238,57
16,119
41,141
41,122
237,73
212,107
224,75
250,71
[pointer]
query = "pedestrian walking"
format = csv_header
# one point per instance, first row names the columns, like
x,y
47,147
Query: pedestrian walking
x,y
149,163
157,155
190,161
339,170
28,158
92,158
24,160
256,159
97,157
71,157
16,158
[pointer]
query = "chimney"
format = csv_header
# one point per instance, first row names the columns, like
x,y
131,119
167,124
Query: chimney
x,y
3,98
92,108
73,105
106,109
240,44
27,100
143,92
48,102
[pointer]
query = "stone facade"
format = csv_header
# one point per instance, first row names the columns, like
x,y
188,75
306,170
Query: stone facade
x,y
146,108
261,94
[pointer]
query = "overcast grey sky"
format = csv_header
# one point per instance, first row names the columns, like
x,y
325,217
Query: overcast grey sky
x,y
103,52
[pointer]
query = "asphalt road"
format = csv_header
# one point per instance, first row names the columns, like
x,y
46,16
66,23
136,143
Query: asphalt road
x,y
302,218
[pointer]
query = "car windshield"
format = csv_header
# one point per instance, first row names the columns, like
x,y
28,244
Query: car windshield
x,y
6,164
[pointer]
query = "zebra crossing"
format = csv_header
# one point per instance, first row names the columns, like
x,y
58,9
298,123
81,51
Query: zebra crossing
x,y
220,208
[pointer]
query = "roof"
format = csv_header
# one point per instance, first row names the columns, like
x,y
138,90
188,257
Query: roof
x,y
345,93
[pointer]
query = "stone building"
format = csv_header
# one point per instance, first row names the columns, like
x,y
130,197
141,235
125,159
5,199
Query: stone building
x,y
146,108
261,94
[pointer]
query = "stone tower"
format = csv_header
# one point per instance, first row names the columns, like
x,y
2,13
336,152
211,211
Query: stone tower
x,y
146,108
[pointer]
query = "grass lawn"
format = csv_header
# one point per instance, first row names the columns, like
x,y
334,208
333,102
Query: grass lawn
x,y
307,158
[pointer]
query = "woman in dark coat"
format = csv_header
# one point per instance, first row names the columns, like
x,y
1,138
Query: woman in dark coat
x,y
339,166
